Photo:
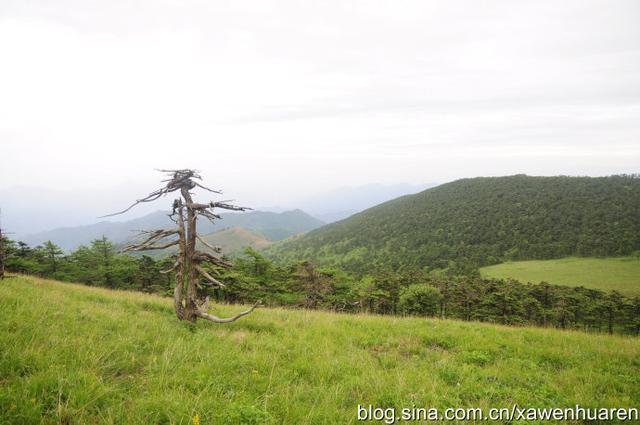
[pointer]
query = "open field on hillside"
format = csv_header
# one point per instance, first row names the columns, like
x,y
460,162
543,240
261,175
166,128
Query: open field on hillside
x,y
230,241
621,273
75,354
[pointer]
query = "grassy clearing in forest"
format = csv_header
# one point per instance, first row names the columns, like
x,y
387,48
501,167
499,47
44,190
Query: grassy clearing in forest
x,y
617,273
75,354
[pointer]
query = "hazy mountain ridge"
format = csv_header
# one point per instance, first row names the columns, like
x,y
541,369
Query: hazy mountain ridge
x,y
28,211
274,226
343,202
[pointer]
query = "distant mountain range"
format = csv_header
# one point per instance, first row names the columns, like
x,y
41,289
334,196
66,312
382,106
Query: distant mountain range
x,y
268,225
30,210
473,222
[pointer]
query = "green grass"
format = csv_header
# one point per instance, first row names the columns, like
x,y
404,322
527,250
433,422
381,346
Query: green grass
x,y
75,354
621,273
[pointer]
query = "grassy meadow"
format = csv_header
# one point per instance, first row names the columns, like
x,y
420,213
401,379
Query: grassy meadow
x,y
621,274
74,354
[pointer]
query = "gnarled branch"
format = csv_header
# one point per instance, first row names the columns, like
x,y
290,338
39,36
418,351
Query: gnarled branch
x,y
172,268
206,257
149,246
153,237
226,206
208,214
216,204
211,247
206,188
217,319
210,278
179,179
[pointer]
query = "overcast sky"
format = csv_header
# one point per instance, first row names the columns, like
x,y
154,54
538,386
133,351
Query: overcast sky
x,y
274,99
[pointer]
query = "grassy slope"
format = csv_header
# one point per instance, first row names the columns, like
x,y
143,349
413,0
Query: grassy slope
x,y
621,274
236,238
231,241
86,355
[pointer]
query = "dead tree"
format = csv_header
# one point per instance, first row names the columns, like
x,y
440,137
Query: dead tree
x,y
190,264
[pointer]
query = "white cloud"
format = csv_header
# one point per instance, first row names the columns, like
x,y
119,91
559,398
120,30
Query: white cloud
x,y
279,98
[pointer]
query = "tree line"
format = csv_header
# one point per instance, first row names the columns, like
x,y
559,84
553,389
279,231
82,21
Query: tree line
x,y
302,285
98,264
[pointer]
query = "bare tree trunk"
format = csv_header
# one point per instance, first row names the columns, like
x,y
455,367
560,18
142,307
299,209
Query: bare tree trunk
x,y
180,267
192,272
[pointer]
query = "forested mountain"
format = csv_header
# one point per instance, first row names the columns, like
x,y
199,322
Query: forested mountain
x,y
472,222
273,226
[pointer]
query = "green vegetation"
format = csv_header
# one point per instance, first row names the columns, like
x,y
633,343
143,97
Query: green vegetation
x,y
75,354
422,293
78,355
470,223
98,264
621,274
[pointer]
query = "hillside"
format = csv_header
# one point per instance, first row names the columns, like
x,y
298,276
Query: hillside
x,y
82,355
231,241
480,221
621,274
274,226
235,239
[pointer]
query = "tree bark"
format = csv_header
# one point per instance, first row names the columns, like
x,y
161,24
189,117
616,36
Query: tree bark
x,y
192,272
178,290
